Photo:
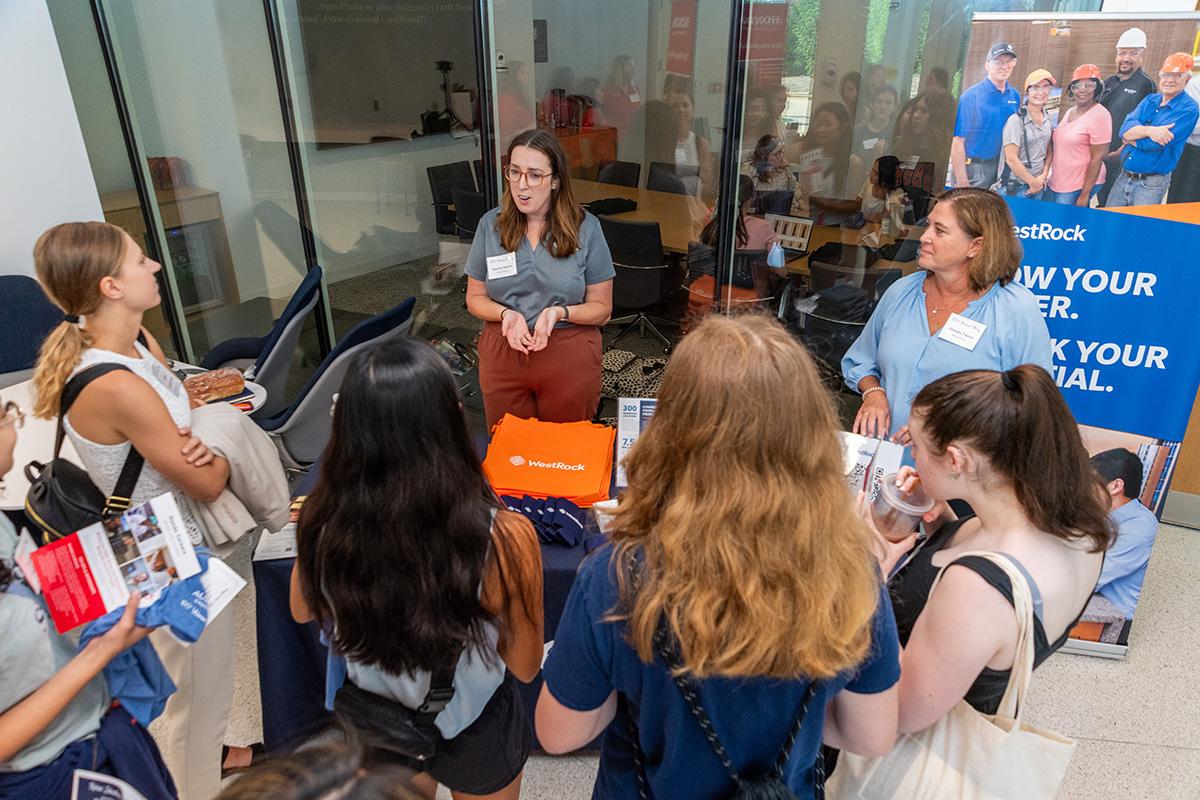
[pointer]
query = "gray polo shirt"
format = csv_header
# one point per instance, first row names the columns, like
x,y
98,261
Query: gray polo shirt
x,y
541,279
1033,152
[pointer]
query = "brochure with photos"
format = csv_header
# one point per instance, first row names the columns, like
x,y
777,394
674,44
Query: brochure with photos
x,y
94,570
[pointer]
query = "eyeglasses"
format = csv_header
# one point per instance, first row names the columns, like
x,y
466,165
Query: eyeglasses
x,y
13,415
532,178
1040,87
1181,76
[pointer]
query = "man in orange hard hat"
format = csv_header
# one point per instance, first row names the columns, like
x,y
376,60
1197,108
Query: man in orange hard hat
x,y
1155,133
1123,90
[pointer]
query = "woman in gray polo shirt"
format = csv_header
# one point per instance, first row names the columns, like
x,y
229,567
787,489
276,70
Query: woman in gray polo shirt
x,y
1027,141
540,276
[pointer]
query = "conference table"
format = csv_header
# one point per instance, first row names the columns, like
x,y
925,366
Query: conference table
x,y
679,216
292,659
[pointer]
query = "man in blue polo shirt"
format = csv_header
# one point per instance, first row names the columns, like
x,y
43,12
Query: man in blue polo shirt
x,y
1154,134
982,111
1125,562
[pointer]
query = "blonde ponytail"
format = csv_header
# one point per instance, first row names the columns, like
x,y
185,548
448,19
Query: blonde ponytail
x,y
70,260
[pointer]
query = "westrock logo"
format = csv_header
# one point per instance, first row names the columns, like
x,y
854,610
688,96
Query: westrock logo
x,y
518,461
1047,231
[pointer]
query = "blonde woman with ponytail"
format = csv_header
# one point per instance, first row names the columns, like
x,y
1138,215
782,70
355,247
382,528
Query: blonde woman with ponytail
x,y
738,541
104,282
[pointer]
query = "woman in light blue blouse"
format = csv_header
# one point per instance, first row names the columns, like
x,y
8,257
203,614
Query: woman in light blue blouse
x,y
961,311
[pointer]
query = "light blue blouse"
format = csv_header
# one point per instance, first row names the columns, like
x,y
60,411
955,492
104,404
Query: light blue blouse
x,y
896,347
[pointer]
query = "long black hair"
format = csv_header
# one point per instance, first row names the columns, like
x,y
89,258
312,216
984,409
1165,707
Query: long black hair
x,y
394,539
708,235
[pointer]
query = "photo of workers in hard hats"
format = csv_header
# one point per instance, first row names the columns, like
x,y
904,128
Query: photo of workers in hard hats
x,y
1079,111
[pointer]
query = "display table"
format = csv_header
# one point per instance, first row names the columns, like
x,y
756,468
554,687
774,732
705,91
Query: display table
x,y
291,658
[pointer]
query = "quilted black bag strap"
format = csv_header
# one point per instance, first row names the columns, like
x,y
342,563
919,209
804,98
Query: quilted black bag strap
x,y
123,491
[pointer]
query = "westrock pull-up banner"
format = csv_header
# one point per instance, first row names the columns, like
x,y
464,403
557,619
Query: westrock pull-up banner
x,y
1118,293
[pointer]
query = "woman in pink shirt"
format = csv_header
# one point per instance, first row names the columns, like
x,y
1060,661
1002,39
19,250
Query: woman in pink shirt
x,y
1080,142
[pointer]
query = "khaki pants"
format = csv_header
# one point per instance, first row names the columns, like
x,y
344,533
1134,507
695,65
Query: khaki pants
x,y
197,714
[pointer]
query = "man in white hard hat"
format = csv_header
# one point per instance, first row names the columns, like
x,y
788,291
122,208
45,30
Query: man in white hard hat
x,y
1122,93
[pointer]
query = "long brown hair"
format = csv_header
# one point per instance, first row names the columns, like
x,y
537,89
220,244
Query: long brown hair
x,y
737,507
1019,421
70,260
561,233
983,213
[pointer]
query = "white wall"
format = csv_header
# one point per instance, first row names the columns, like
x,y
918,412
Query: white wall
x,y
44,168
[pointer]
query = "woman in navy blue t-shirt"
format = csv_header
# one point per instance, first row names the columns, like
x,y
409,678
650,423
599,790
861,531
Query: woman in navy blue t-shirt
x,y
737,538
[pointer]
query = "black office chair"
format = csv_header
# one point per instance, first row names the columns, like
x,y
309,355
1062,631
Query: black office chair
x,y
619,173
701,261
637,254
665,177
28,318
773,202
443,180
469,207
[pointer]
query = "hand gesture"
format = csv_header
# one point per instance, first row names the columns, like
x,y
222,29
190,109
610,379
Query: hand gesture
x,y
874,418
544,326
1036,186
907,480
902,437
197,452
514,329
1161,134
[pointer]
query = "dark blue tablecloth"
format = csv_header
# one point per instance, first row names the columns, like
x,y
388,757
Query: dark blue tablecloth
x,y
291,658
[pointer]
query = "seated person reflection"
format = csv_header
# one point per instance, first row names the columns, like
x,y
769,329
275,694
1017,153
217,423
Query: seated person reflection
x,y
828,173
1125,562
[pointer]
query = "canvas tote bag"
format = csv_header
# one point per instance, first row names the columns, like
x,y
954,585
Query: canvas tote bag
x,y
550,459
967,755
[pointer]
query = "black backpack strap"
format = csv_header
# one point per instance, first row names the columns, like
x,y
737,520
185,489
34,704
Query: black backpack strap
x,y
691,697
123,491
441,690
141,337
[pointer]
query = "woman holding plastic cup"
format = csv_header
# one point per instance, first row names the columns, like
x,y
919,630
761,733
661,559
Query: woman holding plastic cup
x,y
1005,443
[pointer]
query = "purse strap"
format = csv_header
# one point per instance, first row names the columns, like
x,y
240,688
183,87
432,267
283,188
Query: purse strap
x,y
122,495
1011,704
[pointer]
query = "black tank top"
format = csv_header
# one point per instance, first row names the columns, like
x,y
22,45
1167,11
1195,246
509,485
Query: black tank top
x,y
909,589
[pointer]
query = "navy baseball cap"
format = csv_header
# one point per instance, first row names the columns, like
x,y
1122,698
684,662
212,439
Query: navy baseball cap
x,y
1001,49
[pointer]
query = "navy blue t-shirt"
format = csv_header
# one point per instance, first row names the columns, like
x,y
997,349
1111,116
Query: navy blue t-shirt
x,y
591,658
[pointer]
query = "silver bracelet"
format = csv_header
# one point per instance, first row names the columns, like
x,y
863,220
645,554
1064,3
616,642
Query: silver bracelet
x,y
872,389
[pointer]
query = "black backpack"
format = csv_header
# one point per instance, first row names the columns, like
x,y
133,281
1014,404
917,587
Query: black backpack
x,y
62,498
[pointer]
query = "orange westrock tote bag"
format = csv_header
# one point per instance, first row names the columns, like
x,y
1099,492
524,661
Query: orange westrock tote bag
x,y
550,459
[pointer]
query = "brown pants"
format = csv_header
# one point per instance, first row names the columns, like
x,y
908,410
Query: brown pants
x,y
558,384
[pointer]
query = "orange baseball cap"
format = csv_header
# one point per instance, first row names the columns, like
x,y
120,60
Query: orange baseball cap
x,y
1178,62
1039,75
1084,71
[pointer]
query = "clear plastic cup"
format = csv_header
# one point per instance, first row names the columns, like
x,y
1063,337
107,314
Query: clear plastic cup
x,y
896,514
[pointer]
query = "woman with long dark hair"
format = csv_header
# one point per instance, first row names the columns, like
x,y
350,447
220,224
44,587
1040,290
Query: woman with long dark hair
x,y
405,552
764,592
540,275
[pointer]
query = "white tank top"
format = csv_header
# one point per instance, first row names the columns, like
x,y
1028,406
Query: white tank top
x,y
103,462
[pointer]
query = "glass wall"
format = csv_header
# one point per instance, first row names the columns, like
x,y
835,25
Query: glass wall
x,y
385,107
848,117
204,114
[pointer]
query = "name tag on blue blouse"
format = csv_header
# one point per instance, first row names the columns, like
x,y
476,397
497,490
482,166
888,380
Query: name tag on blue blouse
x,y
962,331
502,266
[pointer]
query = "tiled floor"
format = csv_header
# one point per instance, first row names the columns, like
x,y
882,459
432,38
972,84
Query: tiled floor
x,y
1135,720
